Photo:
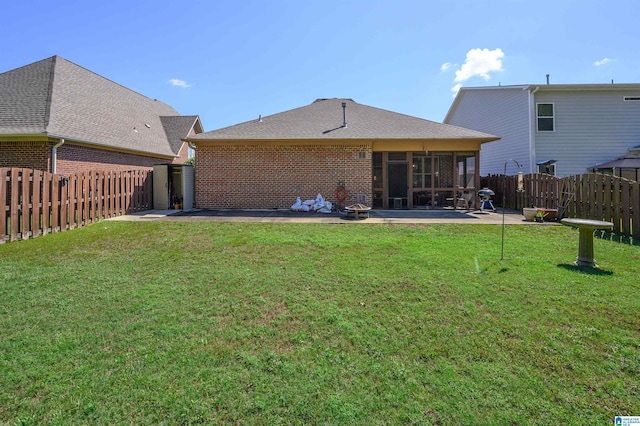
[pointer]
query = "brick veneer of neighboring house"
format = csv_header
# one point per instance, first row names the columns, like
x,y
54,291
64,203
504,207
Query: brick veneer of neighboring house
x,y
29,155
272,176
74,158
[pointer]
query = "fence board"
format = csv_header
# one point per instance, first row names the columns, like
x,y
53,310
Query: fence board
x,y
589,196
100,196
71,199
80,220
616,202
46,202
111,192
55,205
607,210
36,183
3,204
14,209
118,183
599,193
91,193
25,206
577,210
34,203
86,197
128,192
64,205
626,212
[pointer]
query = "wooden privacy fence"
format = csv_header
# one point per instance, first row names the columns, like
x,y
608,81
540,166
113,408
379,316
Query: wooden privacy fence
x,y
34,203
589,196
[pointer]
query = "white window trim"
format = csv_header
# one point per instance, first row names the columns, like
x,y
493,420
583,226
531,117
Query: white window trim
x,y
551,167
553,117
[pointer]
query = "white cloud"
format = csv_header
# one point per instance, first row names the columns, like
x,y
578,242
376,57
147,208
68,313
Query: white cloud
x,y
179,83
445,66
479,63
603,61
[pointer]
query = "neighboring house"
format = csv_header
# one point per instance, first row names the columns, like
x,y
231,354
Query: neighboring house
x,y
59,117
337,148
561,129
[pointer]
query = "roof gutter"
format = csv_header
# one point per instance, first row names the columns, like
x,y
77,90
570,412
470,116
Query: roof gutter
x,y
112,148
532,134
54,155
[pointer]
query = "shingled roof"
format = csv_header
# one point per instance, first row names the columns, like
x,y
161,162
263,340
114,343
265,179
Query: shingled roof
x,y
57,98
323,119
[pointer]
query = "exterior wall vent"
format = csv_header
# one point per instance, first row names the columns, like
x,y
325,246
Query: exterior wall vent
x,y
631,98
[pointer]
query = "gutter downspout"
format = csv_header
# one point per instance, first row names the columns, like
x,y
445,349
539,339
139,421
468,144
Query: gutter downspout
x,y
532,142
54,155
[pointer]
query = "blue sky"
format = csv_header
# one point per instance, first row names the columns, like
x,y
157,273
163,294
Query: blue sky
x,y
229,61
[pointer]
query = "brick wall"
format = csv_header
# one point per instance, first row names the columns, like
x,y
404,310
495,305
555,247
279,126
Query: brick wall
x,y
29,155
183,155
272,176
74,158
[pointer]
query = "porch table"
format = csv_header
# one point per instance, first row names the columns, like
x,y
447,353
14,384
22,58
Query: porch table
x,y
585,242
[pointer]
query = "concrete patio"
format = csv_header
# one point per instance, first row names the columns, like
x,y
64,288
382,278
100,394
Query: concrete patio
x,y
511,217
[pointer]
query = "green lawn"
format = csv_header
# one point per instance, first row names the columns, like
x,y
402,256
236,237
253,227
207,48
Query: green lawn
x,y
214,323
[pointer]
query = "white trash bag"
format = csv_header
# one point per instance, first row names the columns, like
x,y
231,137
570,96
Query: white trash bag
x,y
318,203
328,208
297,205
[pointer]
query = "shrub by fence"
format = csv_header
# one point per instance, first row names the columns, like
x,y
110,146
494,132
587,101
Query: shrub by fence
x,y
589,196
34,203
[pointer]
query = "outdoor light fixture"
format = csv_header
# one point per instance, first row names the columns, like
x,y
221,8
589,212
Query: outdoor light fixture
x,y
504,195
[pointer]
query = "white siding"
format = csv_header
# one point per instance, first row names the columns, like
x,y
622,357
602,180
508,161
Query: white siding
x,y
591,127
503,112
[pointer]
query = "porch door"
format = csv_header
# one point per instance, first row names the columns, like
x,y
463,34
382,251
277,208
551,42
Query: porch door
x,y
398,183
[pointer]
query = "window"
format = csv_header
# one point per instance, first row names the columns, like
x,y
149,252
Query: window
x,y
549,169
545,118
466,170
377,170
631,98
421,170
